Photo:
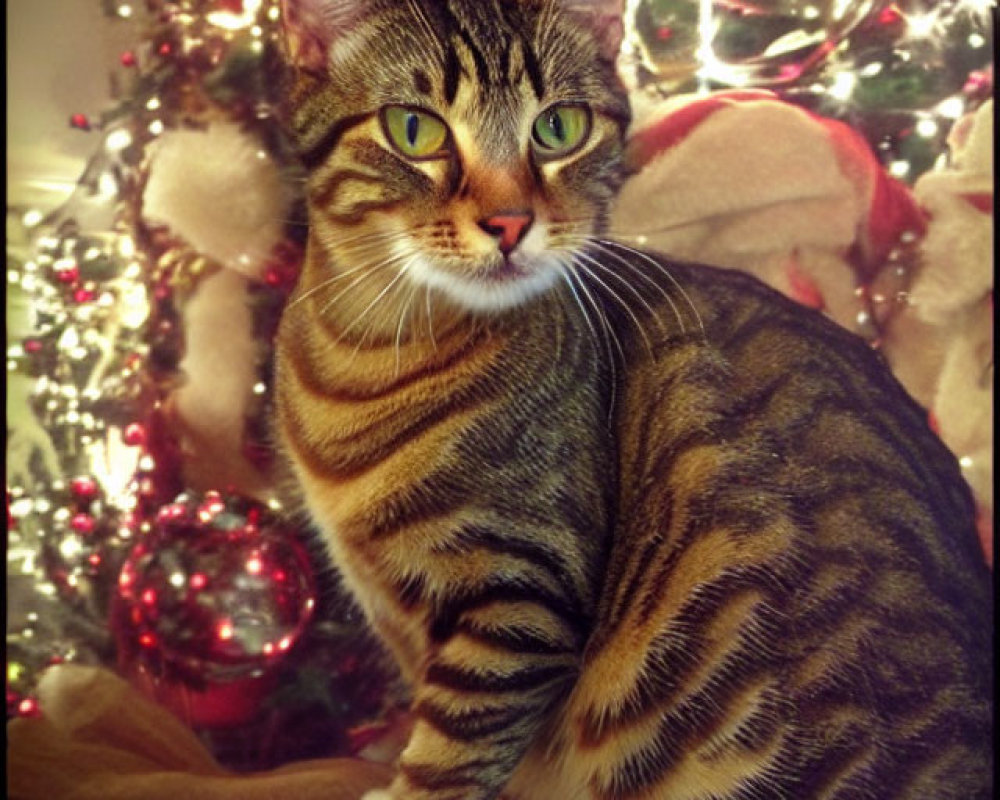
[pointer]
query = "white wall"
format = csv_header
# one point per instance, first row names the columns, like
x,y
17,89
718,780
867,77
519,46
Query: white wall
x,y
60,54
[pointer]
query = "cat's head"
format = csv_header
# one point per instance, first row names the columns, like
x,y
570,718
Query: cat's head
x,y
468,146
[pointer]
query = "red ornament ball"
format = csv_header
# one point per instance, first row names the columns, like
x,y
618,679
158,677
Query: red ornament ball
x,y
28,707
215,595
134,434
890,15
84,487
68,275
83,523
80,122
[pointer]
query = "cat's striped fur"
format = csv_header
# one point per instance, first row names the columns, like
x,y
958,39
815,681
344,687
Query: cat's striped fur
x,y
631,529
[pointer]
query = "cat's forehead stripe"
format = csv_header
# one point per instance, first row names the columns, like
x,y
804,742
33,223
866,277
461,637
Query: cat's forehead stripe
x,y
534,71
315,153
496,55
421,82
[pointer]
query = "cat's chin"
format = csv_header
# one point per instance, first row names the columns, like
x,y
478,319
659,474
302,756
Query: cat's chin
x,y
498,290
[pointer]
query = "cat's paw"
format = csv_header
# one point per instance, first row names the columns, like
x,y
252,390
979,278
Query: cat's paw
x,y
378,794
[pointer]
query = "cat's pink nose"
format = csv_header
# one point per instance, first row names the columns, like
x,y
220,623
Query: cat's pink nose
x,y
509,226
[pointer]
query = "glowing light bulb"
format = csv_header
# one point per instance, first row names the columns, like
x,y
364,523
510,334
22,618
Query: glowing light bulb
x,y
952,107
31,218
921,26
843,85
118,139
107,185
927,128
70,547
899,169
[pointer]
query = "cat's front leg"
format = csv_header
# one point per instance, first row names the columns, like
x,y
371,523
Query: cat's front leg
x,y
482,701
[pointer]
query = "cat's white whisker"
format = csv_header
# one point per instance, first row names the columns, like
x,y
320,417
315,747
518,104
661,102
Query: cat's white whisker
x,y
604,268
621,301
602,246
373,303
566,275
430,316
601,315
567,272
329,282
665,271
369,241
404,308
369,272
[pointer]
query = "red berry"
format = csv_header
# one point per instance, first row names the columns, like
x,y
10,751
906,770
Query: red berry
x,y
889,15
68,275
28,707
83,487
135,434
83,523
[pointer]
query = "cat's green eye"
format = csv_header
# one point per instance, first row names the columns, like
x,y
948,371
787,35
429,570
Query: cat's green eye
x,y
415,133
560,129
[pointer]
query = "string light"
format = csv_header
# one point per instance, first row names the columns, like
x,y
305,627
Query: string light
x,y
231,20
927,128
922,26
107,186
951,108
31,218
844,83
118,140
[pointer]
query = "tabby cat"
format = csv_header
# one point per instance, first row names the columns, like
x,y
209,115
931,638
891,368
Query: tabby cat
x,y
631,528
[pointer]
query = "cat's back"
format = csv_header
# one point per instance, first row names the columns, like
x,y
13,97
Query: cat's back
x,y
795,604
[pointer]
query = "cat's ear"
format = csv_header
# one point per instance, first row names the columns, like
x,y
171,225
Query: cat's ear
x,y
605,19
311,27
